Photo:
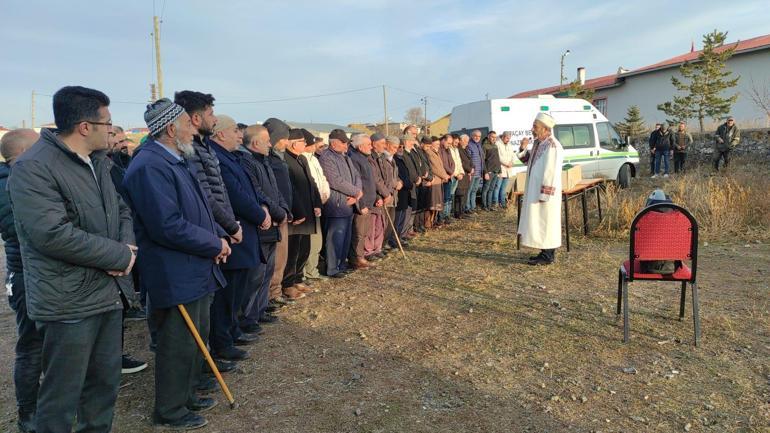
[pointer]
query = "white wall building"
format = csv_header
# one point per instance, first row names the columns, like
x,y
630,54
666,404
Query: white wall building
x,y
651,85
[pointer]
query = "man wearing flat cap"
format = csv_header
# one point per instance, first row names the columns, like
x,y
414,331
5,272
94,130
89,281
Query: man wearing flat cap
x,y
181,246
540,223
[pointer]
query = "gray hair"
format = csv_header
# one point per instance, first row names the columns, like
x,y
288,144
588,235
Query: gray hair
x,y
358,139
392,139
506,133
15,142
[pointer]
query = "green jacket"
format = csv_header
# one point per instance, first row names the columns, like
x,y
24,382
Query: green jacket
x,y
682,141
730,137
71,231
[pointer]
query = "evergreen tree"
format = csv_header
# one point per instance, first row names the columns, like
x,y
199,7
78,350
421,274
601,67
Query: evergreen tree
x,y
633,124
703,83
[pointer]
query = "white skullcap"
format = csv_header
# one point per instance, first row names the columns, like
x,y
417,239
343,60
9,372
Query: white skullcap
x,y
546,120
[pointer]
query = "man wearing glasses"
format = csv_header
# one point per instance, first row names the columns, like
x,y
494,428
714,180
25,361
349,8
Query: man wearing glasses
x,y
77,244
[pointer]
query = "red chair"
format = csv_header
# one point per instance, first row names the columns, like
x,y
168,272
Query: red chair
x,y
663,231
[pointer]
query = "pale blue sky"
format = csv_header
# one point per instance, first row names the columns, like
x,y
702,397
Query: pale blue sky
x,y
452,51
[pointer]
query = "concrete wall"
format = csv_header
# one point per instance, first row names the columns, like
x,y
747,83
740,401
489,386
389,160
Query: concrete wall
x,y
653,88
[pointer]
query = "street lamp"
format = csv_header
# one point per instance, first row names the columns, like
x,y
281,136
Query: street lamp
x,y
561,75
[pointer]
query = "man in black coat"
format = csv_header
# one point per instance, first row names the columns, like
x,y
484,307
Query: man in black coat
x,y
652,140
29,346
255,150
360,149
306,207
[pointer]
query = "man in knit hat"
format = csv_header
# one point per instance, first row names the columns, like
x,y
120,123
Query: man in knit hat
x,y
540,224
181,247
279,140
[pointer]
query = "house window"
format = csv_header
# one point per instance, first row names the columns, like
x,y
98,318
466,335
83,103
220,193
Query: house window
x,y
601,105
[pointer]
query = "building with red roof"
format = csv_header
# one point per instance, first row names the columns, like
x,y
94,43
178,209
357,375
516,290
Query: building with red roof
x,y
650,85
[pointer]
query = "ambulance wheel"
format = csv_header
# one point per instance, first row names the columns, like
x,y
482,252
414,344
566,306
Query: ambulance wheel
x,y
624,176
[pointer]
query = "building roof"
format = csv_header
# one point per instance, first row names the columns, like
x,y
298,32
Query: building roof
x,y
753,44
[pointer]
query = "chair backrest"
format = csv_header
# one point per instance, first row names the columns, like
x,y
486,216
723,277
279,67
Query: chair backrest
x,y
664,231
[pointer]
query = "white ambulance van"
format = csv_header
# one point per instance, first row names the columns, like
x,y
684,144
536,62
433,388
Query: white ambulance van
x,y
588,138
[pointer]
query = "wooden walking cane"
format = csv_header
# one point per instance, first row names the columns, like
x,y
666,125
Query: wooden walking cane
x,y
207,355
395,233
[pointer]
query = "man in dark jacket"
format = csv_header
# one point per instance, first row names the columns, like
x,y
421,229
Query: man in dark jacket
x,y
345,192
246,259
476,152
682,142
200,107
653,139
407,195
464,184
279,138
181,246
77,245
257,147
361,149
727,137
664,143
306,207
26,368
491,171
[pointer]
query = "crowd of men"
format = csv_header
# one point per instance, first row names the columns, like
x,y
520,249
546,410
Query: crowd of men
x,y
665,144
228,220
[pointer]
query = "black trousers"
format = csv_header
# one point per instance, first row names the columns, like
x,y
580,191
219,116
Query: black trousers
x,y
549,255
721,155
679,158
177,359
224,309
652,161
257,302
299,251
29,348
81,374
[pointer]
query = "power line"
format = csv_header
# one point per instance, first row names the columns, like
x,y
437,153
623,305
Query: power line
x,y
296,98
422,94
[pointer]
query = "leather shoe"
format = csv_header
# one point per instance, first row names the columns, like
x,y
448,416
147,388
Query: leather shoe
x,y
304,288
339,275
202,404
231,354
191,421
268,318
252,329
540,261
362,263
246,340
292,294
207,385
222,366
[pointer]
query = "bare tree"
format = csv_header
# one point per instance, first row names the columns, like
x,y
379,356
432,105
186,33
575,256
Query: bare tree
x,y
759,93
414,116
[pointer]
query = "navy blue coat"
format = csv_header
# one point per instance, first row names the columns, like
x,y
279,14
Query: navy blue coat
x,y
247,206
282,179
175,229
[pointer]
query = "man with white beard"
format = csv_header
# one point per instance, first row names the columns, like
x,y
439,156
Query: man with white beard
x,y
180,248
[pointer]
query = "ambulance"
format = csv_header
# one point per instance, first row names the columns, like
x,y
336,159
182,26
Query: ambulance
x,y
588,138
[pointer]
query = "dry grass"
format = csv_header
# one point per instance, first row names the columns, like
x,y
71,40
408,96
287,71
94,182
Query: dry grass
x,y
729,205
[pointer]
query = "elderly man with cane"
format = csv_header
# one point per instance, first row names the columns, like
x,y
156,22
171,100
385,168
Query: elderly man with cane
x,y
181,246
540,223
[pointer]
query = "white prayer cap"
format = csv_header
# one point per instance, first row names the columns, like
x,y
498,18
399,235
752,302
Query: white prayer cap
x,y
546,120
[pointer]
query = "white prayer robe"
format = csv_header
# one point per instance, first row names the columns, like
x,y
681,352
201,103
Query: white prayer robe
x,y
540,222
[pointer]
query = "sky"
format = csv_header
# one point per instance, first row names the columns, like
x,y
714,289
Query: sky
x,y
248,52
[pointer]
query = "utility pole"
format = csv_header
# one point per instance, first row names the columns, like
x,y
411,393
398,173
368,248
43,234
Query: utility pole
x,y
561,71
153,93
385,106
32,109
425,115
158,70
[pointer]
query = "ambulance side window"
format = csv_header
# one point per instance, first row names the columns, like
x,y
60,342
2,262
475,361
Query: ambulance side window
x,y
574,136
608,137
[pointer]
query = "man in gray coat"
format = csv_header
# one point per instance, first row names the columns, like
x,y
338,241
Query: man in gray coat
x,y
77,246
727,137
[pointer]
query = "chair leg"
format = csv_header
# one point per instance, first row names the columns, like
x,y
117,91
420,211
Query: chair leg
x,y
696,312
682,299
625,312
620,290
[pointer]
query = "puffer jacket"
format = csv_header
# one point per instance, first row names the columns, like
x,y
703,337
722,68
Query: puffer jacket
x,y
209,175
7,228
72,229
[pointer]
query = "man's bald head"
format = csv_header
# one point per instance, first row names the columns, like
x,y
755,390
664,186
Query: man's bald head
x,y
14,143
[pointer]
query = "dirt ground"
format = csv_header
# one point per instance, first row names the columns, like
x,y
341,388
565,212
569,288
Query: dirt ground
x,y
463,336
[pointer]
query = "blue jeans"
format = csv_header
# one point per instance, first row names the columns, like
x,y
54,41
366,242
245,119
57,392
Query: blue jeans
x,y
658,156
502,186
29,349
472,190
337,243
487,192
